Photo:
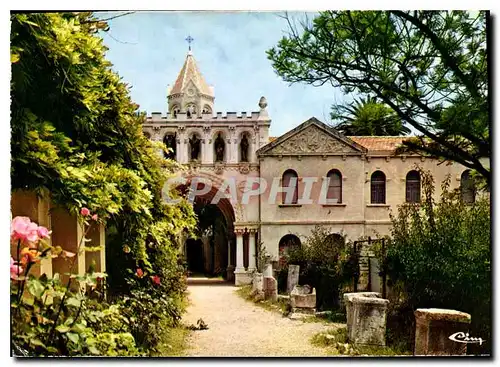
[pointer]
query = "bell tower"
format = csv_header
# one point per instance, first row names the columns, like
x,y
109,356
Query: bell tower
x,y
190,93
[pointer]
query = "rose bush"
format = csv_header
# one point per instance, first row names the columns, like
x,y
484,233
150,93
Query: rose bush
x,y
50,318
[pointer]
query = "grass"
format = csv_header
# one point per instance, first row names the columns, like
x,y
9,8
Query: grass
x,y
335,340
174,343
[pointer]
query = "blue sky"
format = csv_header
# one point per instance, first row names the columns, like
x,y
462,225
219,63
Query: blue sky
x,y
149,48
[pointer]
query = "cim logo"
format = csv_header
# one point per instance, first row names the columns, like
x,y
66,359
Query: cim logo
x,y
462,337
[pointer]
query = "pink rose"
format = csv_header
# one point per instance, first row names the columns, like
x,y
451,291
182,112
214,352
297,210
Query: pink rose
x,y
85,212
139,273
15,270
23,229
43,232
94,217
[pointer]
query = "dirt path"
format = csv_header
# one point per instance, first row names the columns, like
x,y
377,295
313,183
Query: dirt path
x,y
239,328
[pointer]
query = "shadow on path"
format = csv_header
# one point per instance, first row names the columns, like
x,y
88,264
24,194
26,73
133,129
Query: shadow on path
x,y
196,281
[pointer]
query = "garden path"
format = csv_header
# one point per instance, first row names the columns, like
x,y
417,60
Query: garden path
x,y
239,328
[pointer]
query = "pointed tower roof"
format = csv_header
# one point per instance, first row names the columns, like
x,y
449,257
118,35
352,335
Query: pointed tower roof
x,y
190,72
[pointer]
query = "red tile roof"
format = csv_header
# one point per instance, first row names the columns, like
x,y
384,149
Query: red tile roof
x,y
379,143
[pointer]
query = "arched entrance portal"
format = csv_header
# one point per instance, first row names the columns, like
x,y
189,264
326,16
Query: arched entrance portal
x,y
212,253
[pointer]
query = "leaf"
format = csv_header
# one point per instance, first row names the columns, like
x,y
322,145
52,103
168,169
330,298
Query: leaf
x,y
72,301
93,350
73,337
35,287
14,57
63,328
37,342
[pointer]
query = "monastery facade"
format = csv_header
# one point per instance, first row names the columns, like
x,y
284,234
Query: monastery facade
x,y
312,175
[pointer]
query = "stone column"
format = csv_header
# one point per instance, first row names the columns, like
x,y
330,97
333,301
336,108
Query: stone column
x,y
183,152
241,276
96,260
158,138
239,252
205,147
230,266
251,251
178,153
434,326
67,232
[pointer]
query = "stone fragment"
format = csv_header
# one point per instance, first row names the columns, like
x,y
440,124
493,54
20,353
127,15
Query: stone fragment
x,y
349,308
257,282
303,299
270,289
293,277
367,318
434,326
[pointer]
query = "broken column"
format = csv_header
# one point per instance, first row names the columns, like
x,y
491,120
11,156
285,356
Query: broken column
x,y
270,289
366,318
293,277
268,270
303,299
434,326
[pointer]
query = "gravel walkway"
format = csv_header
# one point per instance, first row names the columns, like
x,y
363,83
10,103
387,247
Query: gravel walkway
x,y
239,328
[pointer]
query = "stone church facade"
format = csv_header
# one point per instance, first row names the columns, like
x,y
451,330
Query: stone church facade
x,y
311,175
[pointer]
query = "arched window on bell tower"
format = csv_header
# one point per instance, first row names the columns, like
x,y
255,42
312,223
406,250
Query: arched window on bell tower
x,y
175,110
207,109
244,148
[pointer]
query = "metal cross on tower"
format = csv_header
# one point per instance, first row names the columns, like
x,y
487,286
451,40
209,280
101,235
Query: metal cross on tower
x,y
189,39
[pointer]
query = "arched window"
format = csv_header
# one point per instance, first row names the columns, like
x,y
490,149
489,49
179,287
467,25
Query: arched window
x,y
334,243
467,187
244,144
378,187
170,141
413,187
287,242
175,110
334,193
290,179
207,109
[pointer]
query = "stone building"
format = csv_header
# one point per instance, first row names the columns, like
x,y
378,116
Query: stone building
x,y
347,184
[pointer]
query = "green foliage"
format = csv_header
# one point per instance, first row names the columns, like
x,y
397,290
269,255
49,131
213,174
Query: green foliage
x,y
54,320
326,263
439,257
83,140
429,67
367,117
76,133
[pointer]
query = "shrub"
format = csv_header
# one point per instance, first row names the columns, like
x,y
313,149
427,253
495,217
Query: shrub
x,y
439,256
326,263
